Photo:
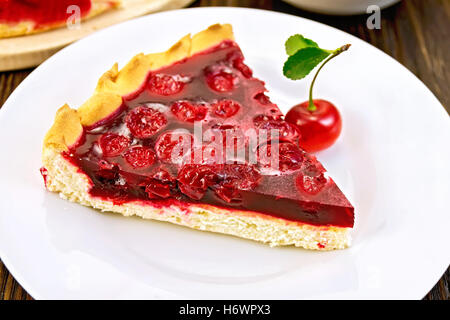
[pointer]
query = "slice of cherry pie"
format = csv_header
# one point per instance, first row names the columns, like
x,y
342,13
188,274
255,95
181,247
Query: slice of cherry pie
x,y
190,137
20,17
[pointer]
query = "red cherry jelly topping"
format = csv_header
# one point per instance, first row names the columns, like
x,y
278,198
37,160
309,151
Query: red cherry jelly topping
x,y
231,136
237,60
140,157
289,156
262,98
42,13
207,154
186,111
195,179
144,122
107,170
226,108
151,151
113,144
239,176
227,179
157,189
312,178
171,146
163,84
286,131
159,186
220,79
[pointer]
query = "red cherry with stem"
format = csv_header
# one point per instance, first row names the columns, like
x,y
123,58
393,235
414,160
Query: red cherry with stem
x,y
319,121
320,128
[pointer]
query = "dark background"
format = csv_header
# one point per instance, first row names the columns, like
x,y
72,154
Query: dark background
x,y
414,32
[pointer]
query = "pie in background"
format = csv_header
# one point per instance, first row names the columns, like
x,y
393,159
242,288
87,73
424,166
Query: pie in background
x,y
22,17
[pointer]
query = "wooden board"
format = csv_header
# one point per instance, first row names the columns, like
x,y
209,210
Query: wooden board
x,y
29,51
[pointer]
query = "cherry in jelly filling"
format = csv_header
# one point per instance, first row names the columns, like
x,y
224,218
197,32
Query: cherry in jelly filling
x,y
145,151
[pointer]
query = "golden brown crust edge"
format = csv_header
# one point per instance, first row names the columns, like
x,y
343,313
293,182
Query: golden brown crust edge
x,y
66,129
26,27
114,84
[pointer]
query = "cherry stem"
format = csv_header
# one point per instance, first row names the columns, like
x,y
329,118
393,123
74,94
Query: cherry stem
x,y
335,53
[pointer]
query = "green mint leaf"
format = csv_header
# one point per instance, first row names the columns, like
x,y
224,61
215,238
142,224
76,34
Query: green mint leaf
x,y
301,63
297,42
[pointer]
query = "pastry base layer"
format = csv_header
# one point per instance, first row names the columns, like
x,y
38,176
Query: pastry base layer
x,y
71,184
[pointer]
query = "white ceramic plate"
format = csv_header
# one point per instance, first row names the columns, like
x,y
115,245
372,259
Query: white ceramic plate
x,y
391,161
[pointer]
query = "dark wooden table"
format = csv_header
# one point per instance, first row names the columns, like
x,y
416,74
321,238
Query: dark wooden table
x,y
414,32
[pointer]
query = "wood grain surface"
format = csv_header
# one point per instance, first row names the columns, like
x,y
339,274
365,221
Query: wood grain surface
x,y
414,32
